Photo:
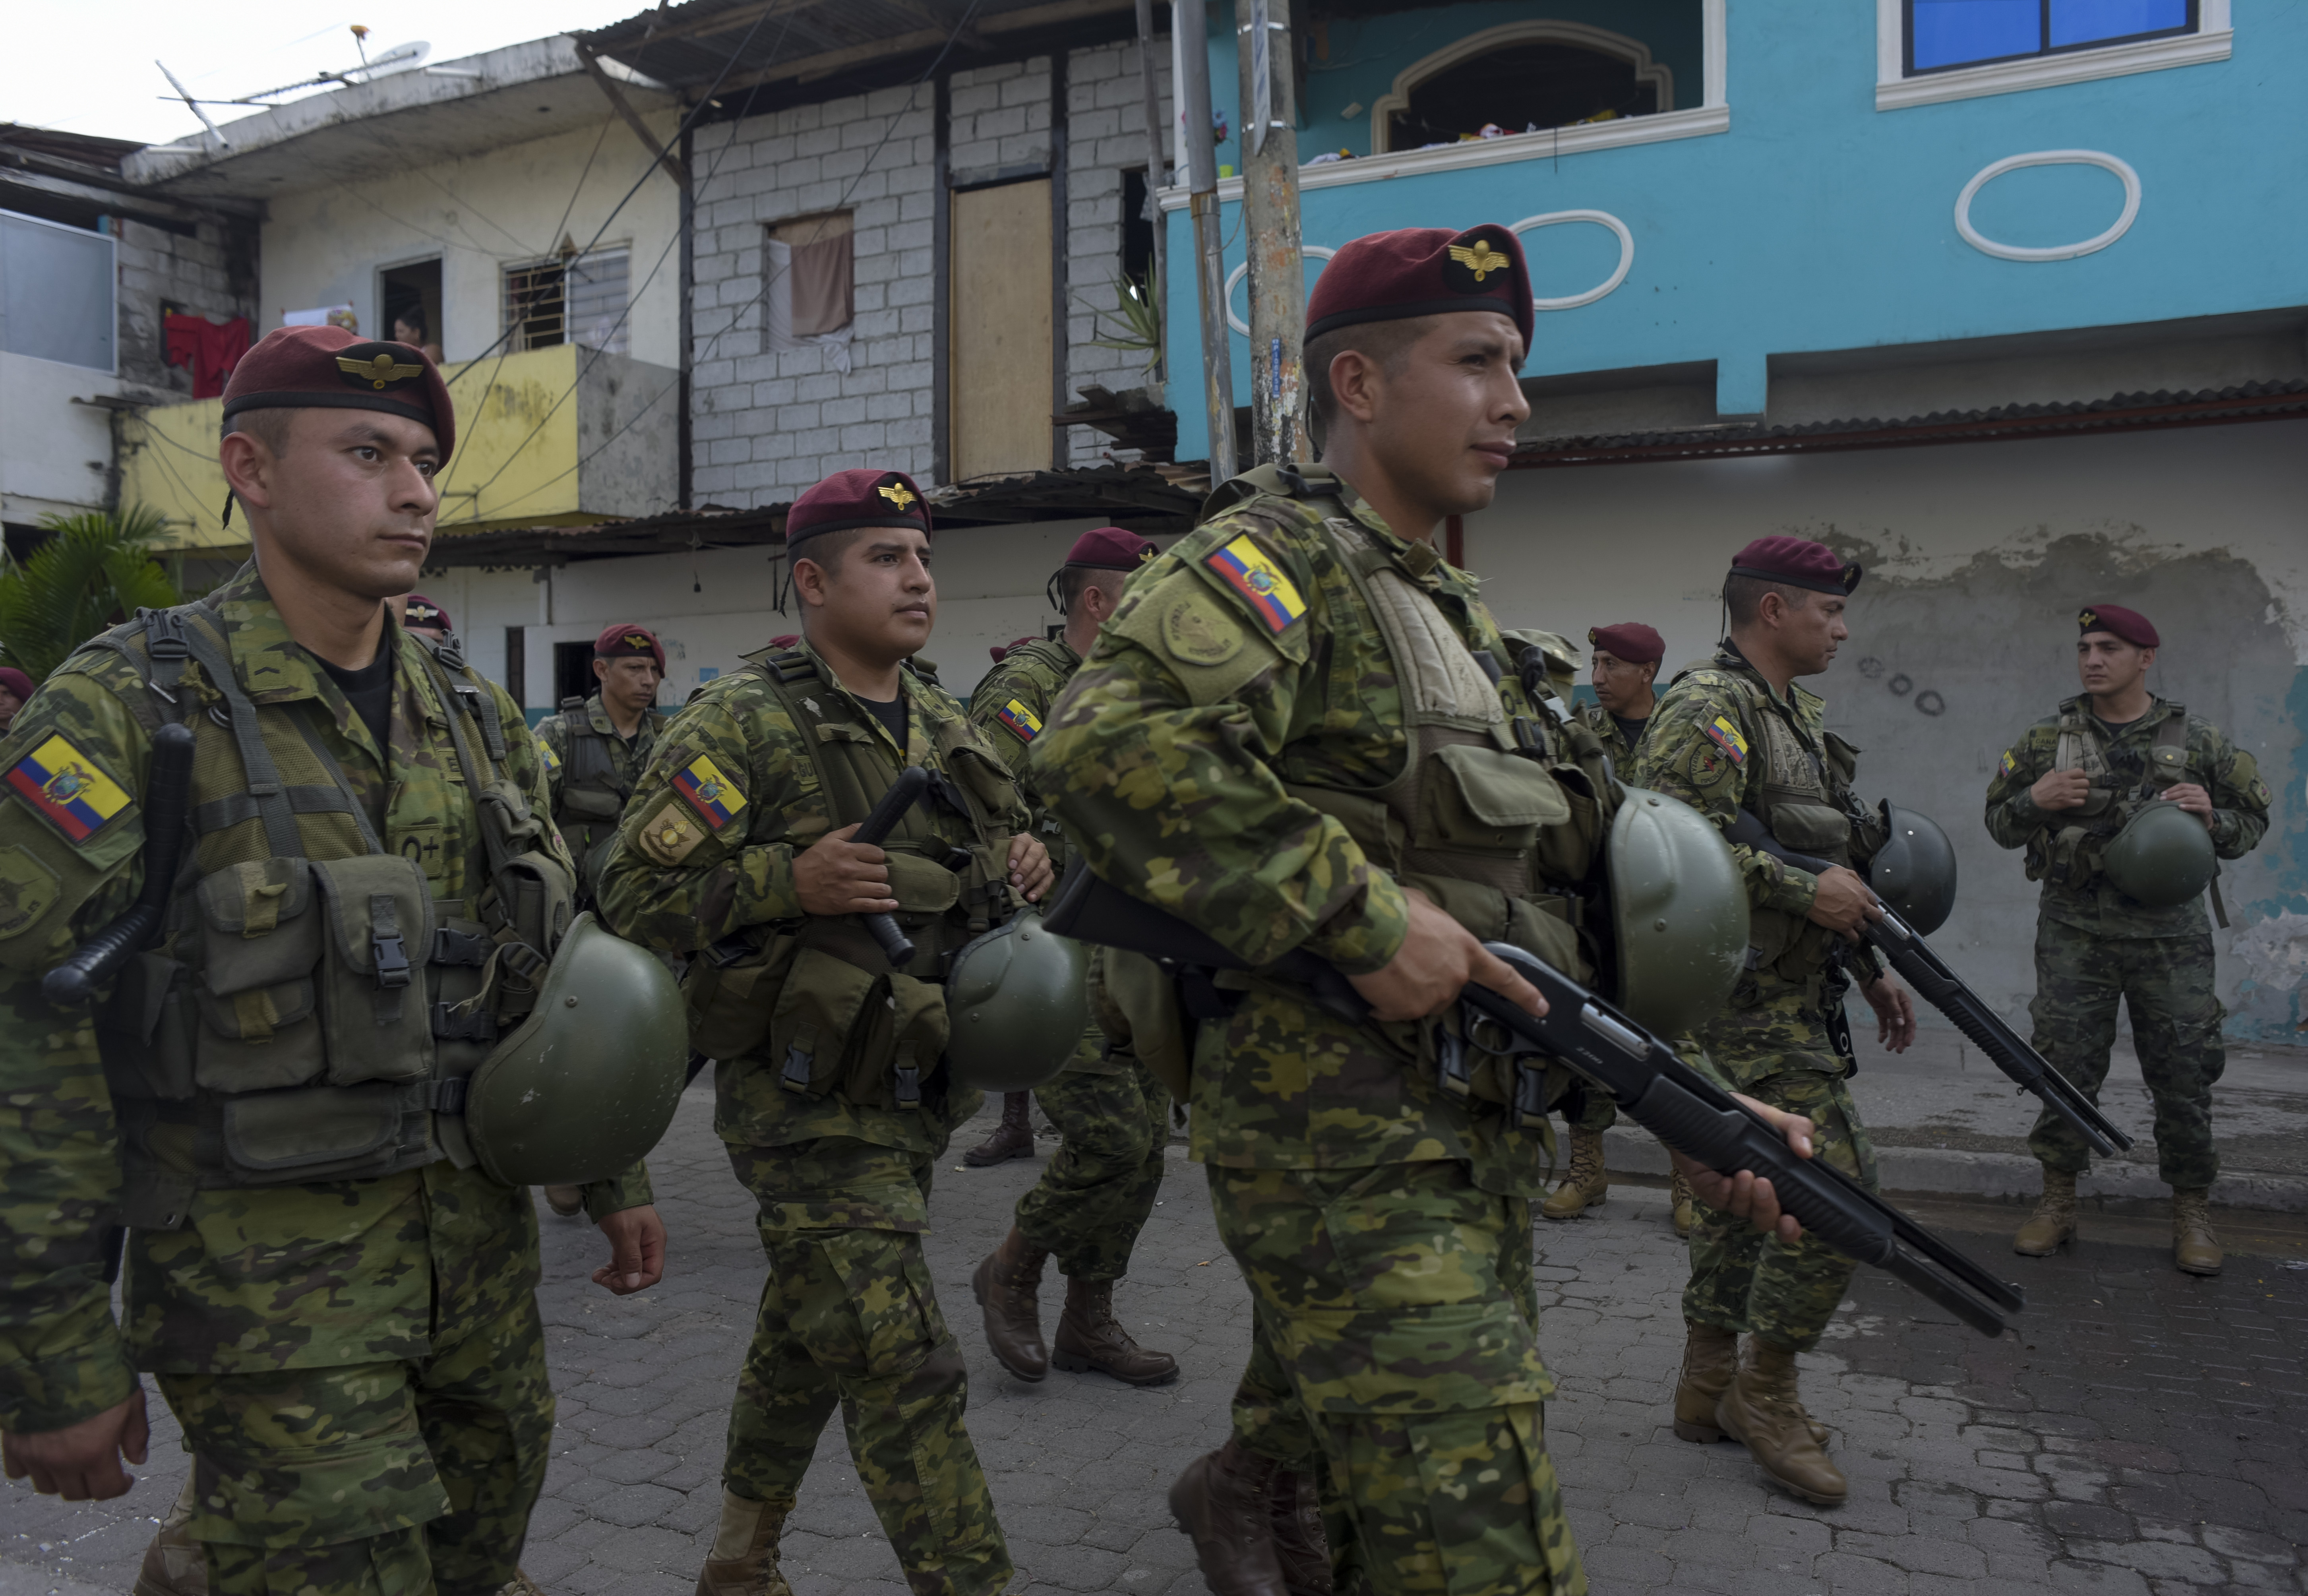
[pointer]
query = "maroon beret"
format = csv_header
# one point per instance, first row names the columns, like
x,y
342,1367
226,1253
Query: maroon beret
x,y
297,368
784,640
857,496
417,610
16,682
1631,641
2127,624
1796,562
625,641
1414,272
1001,651
1110,548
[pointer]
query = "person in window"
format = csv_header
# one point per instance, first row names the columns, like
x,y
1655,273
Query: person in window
x,y
409,327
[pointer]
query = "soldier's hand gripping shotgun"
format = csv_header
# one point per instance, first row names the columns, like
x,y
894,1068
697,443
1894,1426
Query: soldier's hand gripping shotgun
x,y
1903,948
1653,1087
168,791
904,793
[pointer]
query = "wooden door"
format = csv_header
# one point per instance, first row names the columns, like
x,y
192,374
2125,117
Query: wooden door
x,y
998,371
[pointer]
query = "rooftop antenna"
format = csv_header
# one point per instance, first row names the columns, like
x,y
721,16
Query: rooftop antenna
x,y
193,105
399,55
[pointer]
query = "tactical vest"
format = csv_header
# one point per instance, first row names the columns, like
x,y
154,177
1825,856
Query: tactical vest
x,y
816,994
593,795
1803,796
2070,851
1061,662
312,1012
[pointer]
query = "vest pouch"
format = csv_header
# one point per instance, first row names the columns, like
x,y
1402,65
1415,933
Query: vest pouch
x,y
529,904
378,910
729,1006
321,1132
261,939
922,886
463,1031
1487,800
1564,854
504,810
1813,829
897,1044
1135,1003
591,803
983,774
818,1007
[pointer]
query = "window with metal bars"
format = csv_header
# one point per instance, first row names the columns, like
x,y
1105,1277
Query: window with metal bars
x,y
580,298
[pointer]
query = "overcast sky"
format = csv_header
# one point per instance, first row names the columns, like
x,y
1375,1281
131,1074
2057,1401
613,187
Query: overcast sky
x,y
87,67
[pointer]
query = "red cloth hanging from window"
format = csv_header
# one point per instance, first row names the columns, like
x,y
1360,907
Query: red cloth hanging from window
x,y
209,350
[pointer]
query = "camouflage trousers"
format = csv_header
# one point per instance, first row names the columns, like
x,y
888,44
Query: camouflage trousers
x,y
370,1479
2165,986
848,1318
1094,1196
1744,1280
1587,1107
1394,1355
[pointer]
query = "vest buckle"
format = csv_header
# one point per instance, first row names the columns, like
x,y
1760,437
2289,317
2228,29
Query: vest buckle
x,y
448,1095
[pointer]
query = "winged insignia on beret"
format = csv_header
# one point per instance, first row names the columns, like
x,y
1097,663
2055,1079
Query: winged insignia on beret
x,y
2086,619
896,493
1479,258
380,371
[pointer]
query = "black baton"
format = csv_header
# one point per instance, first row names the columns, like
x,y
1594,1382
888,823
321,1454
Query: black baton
x,y
904,793
168,794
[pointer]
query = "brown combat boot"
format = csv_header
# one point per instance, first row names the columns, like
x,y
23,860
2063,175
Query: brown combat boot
x,y
1300,1545
1089,1337
1679,1205
744,1561
1761,1408
2055,1219
520,1584
1012,1138
1586,1184
1710,1358
2195,1245
1224,1502
567,1201
1008,1286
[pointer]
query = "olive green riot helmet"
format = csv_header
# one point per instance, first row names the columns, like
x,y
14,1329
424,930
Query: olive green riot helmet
x,y
1914,872
587,1082
2162,855
1016,1000
1678,912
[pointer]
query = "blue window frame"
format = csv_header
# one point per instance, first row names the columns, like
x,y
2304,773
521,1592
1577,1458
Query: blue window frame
x,y
1942,35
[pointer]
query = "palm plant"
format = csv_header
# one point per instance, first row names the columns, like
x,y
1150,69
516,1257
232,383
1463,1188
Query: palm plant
x,y
96,571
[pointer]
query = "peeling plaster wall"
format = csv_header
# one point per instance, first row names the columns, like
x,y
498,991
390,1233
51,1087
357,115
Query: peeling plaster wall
x,y
1963,631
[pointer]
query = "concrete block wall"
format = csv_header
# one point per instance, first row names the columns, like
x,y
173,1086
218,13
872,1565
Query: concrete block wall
x,y
767,424
213,272
1105,135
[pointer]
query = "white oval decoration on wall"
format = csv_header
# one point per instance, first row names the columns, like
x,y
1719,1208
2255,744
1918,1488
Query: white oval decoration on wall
x,y
2048,158
1601,219
1313,252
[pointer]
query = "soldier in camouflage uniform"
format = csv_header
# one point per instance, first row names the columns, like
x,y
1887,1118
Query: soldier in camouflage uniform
x,y
1738,734
1287,725
1625,660
334,1299
1114,1118
829,1091
2062,792
596,748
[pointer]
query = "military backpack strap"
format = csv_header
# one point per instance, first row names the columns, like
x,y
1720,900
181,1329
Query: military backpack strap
x,y
213,654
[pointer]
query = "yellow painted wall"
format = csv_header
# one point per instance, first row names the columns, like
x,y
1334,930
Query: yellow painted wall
x,y
515,454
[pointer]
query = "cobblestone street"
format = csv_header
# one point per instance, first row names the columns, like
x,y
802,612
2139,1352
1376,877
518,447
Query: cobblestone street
x,y
2144,1435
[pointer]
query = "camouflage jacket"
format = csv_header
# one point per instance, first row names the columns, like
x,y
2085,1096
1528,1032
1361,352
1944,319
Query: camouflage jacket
x,y
687,872
1243,668
1011,705
2240,802
257,1278
1606,727
587,812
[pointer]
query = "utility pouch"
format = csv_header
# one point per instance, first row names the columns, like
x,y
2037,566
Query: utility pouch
x,y
591,803
1134,1002
729,1004
320,1133
980,773
378,911
1487,800
890,1056
1811,828
818,1005
529,905
921,885
261,940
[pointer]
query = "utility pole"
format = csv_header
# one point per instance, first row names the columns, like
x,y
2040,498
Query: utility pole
x,y
1191,21
1269,202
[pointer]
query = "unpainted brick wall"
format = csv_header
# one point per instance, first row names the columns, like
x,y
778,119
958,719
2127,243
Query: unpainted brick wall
x,y
1106,134
213,272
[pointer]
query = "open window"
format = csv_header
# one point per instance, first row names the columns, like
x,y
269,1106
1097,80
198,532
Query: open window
x,y
811,297
411,300
1524,77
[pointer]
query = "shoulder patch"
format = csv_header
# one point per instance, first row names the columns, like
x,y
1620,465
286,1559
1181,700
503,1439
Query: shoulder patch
x,y
714,797
2009,763
1020,720
1272,596
27,890
545,753
670,835
66,788
1197,631
1726,737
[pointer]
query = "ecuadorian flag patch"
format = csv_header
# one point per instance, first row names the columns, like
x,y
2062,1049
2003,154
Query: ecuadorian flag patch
x,y
65,785
1021,720
2009,763
544,752
711,794
1726,737
1247,570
